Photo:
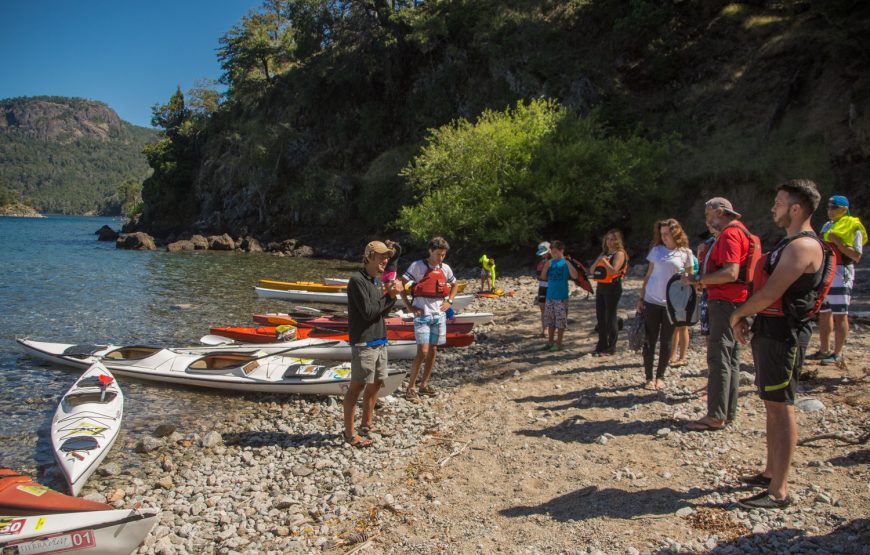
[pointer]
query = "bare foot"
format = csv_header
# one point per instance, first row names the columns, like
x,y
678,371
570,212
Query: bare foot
x,y
660,385
649,385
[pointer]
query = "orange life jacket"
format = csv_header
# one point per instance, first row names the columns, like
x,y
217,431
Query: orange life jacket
x,y
798,305
433,284
601,274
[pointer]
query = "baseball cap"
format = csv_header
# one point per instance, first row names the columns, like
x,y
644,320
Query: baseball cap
x,y
723,203
379,248
839,201
543,248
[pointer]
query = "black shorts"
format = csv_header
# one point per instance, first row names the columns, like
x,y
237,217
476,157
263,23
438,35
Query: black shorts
x,y
541,297
778,364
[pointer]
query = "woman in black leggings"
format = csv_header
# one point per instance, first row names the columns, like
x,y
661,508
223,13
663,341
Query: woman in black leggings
x,y
669,254
608,270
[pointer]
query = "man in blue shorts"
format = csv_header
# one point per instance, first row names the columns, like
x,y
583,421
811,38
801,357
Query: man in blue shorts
x,y
433,286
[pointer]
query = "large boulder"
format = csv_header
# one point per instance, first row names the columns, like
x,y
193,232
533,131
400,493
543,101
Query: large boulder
x,y
182,245
221,243
106,233
303,251
200,243
250,244
136,241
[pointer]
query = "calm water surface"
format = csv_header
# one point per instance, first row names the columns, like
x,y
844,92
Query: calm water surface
x,y
58,283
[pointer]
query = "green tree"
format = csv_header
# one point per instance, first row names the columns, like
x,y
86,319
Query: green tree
x,y
130,196
7,196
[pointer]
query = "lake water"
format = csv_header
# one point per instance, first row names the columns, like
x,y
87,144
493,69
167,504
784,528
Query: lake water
x,y
58,283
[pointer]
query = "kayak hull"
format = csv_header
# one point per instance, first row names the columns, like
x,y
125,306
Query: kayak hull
x,y
106,532
301,286
193,366
267,334
21,496
86,425
460,302
340,323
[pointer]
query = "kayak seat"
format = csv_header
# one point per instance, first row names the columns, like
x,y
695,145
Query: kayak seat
x,y
304,371
133,352
79,443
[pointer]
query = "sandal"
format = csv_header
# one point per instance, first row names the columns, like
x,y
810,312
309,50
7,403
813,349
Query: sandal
x,y
369,430
357,442
703,426
411,396
428,390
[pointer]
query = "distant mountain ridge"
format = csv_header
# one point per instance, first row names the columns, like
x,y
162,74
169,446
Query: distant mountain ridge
x,y
68,155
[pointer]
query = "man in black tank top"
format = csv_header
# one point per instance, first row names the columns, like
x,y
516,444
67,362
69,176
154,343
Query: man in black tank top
x,y
778,342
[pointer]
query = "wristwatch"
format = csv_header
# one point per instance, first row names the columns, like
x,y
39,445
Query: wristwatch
x,y
449,301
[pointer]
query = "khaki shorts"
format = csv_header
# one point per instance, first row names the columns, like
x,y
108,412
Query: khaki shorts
x,y
368,364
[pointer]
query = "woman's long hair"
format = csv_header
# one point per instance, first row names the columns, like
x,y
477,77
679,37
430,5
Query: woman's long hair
x,y
680,239
617,234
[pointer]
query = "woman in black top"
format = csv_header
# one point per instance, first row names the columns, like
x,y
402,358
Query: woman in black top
x,y
608,270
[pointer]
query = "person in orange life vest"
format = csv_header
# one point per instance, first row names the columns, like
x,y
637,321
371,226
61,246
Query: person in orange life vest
x,y
434,287
778,342
847,236
608,270
669,254
720,273
557,271
543,252
367,305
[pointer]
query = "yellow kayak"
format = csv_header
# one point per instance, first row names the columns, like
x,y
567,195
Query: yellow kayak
x,y
311,286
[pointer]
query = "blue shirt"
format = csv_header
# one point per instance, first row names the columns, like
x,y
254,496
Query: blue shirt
x,y
557,280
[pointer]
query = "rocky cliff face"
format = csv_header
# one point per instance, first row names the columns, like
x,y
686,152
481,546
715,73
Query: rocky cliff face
x,y
59,119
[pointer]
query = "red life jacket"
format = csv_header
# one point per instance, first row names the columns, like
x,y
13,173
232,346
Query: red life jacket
x,y
433,284
747,270
798,305
601,274
582,281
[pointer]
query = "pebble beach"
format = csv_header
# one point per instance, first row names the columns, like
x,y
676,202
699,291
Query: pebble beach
x,y
521,452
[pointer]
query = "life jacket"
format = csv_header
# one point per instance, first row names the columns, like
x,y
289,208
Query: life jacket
x,y
753,255
845,229
800,306
601,274
582,280
433,284
682,302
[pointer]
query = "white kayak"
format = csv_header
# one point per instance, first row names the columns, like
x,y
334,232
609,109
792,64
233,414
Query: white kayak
x,y
93,532
233,367
462,318
460,302
335,281
86,424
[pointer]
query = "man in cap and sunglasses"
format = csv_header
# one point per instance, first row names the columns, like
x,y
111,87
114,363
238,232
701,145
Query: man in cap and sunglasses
x,y
847,237
367,304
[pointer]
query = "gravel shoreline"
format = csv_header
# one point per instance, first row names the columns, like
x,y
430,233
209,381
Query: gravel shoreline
x,y
522,452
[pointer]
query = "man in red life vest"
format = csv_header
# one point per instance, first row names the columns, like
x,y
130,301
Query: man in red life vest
x,y
779,340
434,287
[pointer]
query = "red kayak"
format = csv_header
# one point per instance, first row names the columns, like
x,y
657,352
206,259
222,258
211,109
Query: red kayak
x,y
340,323
21,496
269,334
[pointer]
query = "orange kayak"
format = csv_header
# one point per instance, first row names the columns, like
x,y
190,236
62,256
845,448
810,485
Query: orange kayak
x,y
269,334
19,496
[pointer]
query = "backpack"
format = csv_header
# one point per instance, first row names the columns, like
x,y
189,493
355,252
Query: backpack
x,y
636,332
753,255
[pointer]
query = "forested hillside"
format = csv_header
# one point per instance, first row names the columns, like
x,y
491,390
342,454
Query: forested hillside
x,y
503,121
69,155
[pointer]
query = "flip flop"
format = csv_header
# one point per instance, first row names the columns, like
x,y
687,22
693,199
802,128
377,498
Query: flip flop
x,y
368,430
358,442
701,426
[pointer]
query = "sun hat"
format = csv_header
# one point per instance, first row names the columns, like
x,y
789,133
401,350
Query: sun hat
x,y
379,248
723,203
543,248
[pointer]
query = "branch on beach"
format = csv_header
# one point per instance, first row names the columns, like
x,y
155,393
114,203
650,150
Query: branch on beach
x,y
839,437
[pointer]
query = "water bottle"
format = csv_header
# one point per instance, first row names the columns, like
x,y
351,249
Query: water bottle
x,y
450,313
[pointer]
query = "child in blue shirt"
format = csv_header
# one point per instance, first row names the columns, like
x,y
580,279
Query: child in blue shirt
x,y
557,271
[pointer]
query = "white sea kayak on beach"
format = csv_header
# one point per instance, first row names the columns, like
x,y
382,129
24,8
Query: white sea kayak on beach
x,y
234,367
462,318
335,281
108,532
86,424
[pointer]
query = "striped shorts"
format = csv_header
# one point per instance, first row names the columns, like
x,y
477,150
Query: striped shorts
x,y
840,295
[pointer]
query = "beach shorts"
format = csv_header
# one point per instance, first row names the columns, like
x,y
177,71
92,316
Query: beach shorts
x,y
430,329
838,299
541,297
368,364
778,365
556,314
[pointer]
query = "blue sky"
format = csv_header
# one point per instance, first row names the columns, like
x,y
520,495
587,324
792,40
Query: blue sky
x,y
128,54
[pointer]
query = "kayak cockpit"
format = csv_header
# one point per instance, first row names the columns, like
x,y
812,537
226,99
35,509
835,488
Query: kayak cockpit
x,y
134,352
76,399
223,362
